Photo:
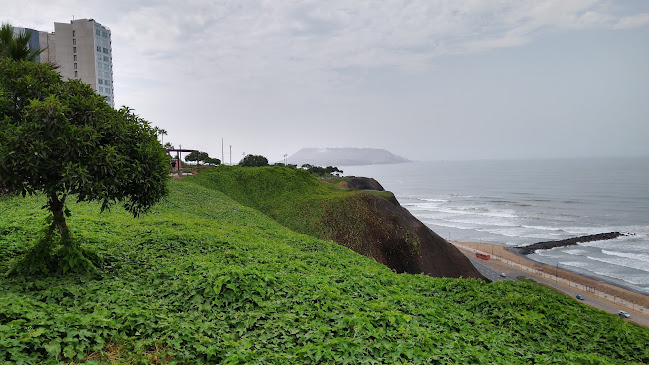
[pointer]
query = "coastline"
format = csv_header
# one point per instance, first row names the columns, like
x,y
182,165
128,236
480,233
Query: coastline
x,y
502,202
629,298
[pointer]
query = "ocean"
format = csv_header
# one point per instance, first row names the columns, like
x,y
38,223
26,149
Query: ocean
x,y
520,202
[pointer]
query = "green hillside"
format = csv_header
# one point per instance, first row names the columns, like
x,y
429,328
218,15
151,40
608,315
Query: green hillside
x,y
203,279
290,196
294,198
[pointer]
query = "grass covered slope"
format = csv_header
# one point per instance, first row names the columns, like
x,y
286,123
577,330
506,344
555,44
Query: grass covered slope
x,y
371,223
204,279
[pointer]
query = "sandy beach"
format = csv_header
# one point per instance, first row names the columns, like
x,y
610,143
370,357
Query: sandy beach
x,y
624,298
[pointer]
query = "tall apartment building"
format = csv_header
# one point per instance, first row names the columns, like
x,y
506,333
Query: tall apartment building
x,y
38,39
82,50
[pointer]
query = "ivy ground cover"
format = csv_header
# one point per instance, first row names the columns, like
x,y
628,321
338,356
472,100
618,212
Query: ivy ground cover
x,y
203,279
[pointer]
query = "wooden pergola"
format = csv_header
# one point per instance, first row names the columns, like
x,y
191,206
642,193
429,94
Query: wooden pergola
x,y
178,164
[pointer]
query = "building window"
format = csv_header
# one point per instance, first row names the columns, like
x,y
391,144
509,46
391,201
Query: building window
x,y
74,49
97,32
104,34
101,89
75,74
108,98
105,50
105,58
73,32
107,82
74,41
98,48
100,81
75,65
75,58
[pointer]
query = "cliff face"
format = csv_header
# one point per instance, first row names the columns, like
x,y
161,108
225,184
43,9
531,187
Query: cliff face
x,y
380,228
361,183
353,212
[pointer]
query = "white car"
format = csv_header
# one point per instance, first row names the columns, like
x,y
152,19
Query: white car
x,y
624,314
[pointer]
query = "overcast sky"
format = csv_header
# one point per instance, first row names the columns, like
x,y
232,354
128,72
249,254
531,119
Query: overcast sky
x,y
424,79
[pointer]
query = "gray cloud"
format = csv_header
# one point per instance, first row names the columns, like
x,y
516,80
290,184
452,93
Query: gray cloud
x,y
633,21
280,75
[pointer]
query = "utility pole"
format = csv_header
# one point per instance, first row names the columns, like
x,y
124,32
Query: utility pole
x,y
222,158
230,155
180,171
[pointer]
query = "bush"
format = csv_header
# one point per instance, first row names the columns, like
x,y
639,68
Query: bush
x,y
254,161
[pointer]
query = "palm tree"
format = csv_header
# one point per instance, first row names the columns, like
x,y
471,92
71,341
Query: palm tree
x,y
16,47
163,133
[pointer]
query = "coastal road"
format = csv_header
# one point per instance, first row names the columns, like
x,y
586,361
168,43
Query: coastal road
x,y
492,269
491,273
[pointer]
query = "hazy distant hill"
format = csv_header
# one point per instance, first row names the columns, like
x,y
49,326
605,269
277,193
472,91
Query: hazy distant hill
x,y
344,157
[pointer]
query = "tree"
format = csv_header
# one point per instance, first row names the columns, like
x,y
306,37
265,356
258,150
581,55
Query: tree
x,y
60,139
291,166
253,161
202,157
162,133
16,47
322,171
212,161
192,156
332,170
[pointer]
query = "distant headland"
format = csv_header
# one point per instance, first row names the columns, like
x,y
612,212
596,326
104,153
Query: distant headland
x,y
344,157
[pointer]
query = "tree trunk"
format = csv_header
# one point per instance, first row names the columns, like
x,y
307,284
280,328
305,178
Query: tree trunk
x,y
56,207
73,258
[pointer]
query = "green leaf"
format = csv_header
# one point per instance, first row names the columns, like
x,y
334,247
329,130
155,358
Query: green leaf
x,y
53,348
32,334
69,351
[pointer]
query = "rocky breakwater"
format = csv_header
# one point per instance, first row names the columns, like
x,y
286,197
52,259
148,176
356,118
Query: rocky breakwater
x,y
546,245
